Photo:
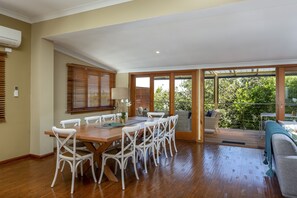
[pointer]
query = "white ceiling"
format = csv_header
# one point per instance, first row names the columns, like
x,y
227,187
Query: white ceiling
x,y
251,32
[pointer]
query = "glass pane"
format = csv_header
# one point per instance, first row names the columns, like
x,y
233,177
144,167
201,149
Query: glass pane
x,y
161,94
105,90
142,96
79,89
291,95
209,94
183,102
93,93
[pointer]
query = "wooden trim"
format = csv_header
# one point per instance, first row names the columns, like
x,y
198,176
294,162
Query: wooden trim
x,y
201,118
30,156
15,159
280,93
159,73
41,156
249,67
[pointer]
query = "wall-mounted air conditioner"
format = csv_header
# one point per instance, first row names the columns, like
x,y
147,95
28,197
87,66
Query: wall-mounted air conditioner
x,y
10,37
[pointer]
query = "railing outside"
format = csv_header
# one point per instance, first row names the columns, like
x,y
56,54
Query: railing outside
x,y
244,116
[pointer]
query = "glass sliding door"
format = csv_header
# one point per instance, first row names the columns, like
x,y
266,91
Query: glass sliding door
x,y
161,94
290,95
170,92
142,96
183,102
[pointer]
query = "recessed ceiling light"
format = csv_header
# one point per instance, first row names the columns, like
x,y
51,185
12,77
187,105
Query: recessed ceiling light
x,y
157,52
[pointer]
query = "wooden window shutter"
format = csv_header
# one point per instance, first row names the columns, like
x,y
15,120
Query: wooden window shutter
x,y
2,87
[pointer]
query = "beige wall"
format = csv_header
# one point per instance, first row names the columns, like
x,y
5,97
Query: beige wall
x,y
15,132
60,89
29,115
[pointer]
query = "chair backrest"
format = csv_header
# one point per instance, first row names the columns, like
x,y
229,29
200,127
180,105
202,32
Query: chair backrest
x,y
155,114
93,119
108,117
162,127
70,123
129,136
172,123
148,132
62,142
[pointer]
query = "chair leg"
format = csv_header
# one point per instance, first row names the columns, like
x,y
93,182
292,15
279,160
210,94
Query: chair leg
x,y
73,177
157,150
56,173
92,167
154,156
63,166
169,142
102,171
174,144
122,173
81,169
135,169
144,160
164,146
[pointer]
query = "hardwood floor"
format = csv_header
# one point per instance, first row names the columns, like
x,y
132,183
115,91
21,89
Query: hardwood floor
x,y
197,170
244,138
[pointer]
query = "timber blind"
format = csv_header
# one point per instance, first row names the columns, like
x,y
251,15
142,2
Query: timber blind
x,y
89,89
2,86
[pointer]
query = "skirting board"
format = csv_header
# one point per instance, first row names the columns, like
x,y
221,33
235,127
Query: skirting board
x,y
26,156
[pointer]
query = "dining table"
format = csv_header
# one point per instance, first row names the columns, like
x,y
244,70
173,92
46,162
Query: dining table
x,y
98,137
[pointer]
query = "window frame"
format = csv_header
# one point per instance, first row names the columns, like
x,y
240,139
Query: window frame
x,y
3,55
86,71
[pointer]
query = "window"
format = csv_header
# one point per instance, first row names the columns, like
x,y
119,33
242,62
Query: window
x,y
2,86
89,89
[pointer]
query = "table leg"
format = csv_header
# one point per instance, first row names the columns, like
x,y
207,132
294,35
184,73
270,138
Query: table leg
x,y
97,157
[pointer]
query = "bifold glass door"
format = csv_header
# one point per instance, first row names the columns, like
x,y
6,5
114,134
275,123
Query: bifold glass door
x,y
172,93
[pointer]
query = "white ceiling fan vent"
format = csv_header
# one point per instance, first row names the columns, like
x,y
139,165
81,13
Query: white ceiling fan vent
x,y
10,37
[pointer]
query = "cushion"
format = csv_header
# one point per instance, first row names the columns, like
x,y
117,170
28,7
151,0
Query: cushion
x,y
291,127
214,114
209,113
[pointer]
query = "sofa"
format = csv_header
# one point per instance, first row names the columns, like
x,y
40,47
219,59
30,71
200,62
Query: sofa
x,y
284,155
211,121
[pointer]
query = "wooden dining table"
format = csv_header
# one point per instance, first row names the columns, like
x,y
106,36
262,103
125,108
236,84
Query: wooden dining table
x,y
104,134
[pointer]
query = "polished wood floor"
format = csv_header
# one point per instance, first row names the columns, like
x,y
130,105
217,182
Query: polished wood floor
x,y
250,138
197,170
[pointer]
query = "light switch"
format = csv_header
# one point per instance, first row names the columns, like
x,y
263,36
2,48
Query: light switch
x,y
16,92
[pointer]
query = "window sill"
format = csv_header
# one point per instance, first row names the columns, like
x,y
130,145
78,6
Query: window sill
x,y
88,110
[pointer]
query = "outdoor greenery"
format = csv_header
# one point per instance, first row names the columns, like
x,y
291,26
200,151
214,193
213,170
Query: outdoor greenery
x,y
183,97
243,99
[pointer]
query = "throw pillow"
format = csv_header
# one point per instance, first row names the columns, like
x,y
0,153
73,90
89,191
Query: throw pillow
x,y
208,114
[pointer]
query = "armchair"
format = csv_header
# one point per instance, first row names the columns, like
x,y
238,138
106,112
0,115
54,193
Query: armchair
x,y
211,124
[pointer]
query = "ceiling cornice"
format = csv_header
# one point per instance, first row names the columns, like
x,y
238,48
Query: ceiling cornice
x,y
65,12
15,15
78,9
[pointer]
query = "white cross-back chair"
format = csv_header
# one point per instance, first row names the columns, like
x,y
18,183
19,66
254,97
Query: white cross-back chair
x,y
155,114
146,144
69,154
70,124
170,134
108,117
129,136
160,140
93,119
